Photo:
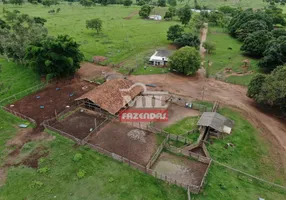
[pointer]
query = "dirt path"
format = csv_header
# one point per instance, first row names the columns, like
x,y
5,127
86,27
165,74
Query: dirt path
x,y
204,33
227,94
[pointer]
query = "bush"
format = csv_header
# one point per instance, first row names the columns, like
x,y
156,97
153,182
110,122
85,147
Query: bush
x,y
81,173
77,157
43,170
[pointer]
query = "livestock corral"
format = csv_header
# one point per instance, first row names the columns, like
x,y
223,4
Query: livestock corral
x,y
73,109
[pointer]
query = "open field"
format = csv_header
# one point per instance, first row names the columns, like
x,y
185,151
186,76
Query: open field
x,y
121,39
229,58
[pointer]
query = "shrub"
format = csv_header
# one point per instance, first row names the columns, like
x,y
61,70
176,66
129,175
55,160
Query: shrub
x,y
81,173
77,157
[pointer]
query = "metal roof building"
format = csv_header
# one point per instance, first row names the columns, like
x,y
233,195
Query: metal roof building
x,y
216,122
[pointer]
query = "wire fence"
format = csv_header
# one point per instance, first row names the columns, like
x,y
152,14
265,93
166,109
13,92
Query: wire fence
x,y
19,115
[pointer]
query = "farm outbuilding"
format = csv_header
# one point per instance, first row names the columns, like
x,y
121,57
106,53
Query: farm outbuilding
x,y
110,97
160,57
155,17
218,123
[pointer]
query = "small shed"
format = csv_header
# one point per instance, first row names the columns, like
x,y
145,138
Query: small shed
x,y
155,17
160,57
218,123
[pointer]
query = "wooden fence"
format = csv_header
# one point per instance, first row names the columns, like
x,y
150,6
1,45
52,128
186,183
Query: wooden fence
x,y
187,153
157,154
21,94
19,115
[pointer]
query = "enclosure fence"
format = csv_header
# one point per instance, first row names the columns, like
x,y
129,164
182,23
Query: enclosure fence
x,y
21,94
19,115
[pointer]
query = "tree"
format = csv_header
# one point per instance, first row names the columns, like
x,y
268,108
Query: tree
x,y
10,16
86,3
246,16
270,89
127,2
276,33
209,46
59,57
186,60
94,24
145,11
229,10
255,85
23,32
168,16
4,25
188,39
162,3
174,32
185,14
49,3
274,55
172,3
276,14
255,44
17,2
250,27
40,20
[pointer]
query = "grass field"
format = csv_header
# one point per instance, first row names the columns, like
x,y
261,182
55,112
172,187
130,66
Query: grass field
x,y
224,57
120,39
214,4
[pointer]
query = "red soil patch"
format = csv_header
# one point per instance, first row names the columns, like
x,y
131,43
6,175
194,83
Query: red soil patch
x,y
99,59
52,99
90,71
114,138
33,158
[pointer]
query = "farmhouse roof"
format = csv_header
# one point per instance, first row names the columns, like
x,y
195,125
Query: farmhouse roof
x,y
109,96
215,121
163,53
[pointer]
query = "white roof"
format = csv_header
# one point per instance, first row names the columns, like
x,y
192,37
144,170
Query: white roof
x,y
155,57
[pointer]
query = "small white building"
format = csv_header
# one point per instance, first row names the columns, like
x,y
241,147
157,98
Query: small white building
x,y
160,57
155,17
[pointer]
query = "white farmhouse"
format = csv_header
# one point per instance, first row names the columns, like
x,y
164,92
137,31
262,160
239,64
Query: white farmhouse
x,y
155,17
160,57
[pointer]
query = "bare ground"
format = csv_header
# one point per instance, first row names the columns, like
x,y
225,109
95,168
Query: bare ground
x,y
115,137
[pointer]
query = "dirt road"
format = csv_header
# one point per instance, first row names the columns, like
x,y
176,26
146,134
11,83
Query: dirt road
x,y
204,32
227,94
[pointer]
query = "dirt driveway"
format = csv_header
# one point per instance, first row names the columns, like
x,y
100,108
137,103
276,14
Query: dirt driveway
x,y
227,94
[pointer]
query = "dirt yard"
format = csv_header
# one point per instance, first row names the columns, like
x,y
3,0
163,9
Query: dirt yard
x,y
80,124
271,128
90,71
177,113
54,97
134,144
187,171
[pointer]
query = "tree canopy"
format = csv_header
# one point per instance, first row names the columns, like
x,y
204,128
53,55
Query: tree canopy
x,y
174,32
238,21
186,60
185,14
94,24
274,55
270,89
188,39
24,31
145,11
256,43
58,56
